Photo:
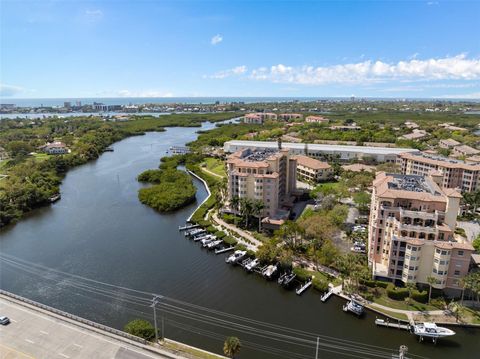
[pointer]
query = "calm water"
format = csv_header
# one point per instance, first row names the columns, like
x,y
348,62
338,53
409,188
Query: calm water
x,y
100,230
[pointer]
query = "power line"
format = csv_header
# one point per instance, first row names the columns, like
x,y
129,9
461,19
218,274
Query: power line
x,y
227,321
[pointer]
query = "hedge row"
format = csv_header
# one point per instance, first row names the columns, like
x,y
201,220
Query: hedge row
x,y
402,293
374,283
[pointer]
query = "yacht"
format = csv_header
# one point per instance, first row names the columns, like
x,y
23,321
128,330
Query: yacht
x,y
270,271
236,256
252,264
430,330
354,307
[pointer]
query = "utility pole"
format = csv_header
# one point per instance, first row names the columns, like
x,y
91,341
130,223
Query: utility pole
x,y
316,351
154,303
402,352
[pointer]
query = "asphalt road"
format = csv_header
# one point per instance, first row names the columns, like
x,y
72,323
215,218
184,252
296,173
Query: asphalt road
x,y
33,334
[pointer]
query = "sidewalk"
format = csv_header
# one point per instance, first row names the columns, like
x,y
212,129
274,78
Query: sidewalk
x,y
255,243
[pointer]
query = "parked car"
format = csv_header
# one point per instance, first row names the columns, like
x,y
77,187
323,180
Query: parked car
x,y
4,320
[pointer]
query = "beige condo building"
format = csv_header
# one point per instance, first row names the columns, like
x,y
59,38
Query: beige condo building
x,y
452,173
267,175
411,232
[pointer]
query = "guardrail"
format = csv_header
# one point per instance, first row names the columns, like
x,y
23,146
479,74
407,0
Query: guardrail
x,y
74,317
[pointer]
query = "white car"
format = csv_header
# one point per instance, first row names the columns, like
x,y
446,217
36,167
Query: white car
x,y
4,320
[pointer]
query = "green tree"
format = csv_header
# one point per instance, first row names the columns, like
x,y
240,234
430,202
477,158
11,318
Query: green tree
x,y
472,199
410,286
231,346
476,243
257,211
140,328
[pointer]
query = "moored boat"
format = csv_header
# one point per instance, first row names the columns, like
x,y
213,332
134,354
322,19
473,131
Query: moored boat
x,y
354,307
431,330
235,257
250,266
270,271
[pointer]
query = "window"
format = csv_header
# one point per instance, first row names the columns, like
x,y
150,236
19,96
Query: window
x,y
460,253
457,273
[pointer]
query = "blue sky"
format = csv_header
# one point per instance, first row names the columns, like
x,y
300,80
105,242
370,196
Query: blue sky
x,y
240,48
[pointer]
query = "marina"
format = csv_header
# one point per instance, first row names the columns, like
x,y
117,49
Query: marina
x,y
386,323
137,247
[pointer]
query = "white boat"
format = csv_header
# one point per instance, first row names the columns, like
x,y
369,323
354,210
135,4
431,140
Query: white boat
x,y
236,256
252,264
354,307
270,271
206,241
431,330
213,244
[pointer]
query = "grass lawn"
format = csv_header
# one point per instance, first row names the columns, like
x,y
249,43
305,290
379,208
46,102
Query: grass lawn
x,y
216,166
40,156
399,304
393,314
179,347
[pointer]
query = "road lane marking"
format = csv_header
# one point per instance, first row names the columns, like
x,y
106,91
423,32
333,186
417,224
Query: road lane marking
x,y
63,355
43,332
30,341
17,351
78,345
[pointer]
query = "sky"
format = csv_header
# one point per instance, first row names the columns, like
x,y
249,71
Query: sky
x,y
148,48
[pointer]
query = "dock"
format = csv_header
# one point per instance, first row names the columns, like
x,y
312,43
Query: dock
x,y
388,324
188,226
304,287
224,250
327,295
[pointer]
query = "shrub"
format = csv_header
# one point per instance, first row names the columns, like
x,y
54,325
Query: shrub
x,y
382,284
396,293
230,240
421,297
302,274
140,328
320,284
220,234
211,229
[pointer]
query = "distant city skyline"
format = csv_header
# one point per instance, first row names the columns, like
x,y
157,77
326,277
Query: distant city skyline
x,y
164,49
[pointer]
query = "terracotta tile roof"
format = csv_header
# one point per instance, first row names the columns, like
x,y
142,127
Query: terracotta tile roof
x,y
441,162
311,163
454,245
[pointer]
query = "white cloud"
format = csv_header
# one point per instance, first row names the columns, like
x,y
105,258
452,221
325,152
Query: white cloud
x,y
449,68
431,3
236,71
216,39
93,15
10,90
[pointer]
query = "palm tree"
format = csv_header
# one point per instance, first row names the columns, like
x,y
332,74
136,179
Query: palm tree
x,y
431,280
257,209
472,199
411,286
231,346
234,203
246,209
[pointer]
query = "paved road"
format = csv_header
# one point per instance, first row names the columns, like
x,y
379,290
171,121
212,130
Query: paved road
x,y
33,334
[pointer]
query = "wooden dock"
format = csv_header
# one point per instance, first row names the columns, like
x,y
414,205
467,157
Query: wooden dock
x,y
188,226
223,250
327,295
388,324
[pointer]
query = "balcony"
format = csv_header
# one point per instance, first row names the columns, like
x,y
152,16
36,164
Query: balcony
x,y
419,214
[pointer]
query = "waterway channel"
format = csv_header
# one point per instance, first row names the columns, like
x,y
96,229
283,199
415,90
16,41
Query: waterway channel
x,y
100,230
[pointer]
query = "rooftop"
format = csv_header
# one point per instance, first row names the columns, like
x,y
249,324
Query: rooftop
x,y
259,155
440,161
411,183
322,147
311,163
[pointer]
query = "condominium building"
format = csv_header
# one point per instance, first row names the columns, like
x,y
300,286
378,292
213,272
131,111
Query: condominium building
x,y
320,151
411,232
290,116
316,119
448,143
259,117
464,150
453,173
267,175
313,170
